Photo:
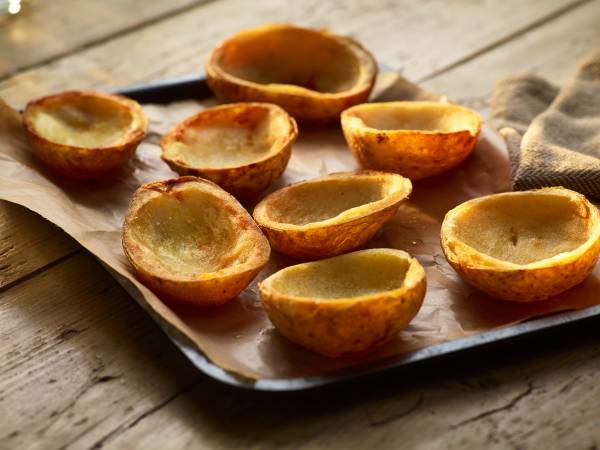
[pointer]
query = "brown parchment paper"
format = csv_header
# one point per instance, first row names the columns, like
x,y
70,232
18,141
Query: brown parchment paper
x,y
238,336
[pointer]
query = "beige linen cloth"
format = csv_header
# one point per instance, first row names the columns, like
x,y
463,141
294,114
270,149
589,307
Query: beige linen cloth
x,y
553,135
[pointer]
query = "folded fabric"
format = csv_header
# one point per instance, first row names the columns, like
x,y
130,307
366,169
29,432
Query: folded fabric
x,y
553,135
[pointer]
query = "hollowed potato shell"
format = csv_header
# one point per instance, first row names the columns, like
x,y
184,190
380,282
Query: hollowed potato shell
x,y
192,242
84,134
414,139
312,74
330,215
243,147
523,246
346,304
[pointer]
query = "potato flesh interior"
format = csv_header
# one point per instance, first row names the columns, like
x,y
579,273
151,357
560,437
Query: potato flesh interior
x,y
83,121
188,233
351,275
441,119
230,142
523,229
297,57
323,200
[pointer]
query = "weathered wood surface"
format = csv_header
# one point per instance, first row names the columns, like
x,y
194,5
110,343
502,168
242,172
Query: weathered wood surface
x,y
28,243
551,51
45,30
77,381
418,38
81,366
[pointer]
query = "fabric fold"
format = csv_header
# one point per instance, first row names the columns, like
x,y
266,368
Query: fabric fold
x,y
553,135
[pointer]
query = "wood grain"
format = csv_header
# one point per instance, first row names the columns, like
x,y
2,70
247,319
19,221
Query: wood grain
x,y
27,243
551,51
85,356
417,38
523,399
45,30
82,366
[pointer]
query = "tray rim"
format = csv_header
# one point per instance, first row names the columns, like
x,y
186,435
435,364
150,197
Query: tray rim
x,y
454,346
195,87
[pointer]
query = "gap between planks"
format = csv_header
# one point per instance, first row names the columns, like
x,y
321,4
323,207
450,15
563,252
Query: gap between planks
x,y
503,41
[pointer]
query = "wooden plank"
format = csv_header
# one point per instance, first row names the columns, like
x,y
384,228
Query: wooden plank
x,y
79,358
45,30
551,52
27,243
416,38
526,399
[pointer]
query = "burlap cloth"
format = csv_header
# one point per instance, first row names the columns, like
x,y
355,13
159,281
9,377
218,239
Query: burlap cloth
x,y
553,134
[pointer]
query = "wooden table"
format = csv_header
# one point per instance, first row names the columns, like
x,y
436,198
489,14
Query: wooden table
x,y
81,366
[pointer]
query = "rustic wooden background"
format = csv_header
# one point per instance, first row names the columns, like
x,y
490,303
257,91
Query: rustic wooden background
x,y
81,366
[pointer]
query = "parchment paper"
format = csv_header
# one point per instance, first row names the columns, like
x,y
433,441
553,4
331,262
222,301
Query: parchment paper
x,y
238,336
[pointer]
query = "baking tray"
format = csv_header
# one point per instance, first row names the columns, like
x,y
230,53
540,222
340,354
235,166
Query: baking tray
x,y
195,87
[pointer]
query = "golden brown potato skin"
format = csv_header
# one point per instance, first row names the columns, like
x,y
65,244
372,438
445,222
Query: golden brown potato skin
x,y
529,285
330,241
243,182
523,283
413,154
209,292
80,162
305,105
206,289
322,240
343,327
405,154
313,109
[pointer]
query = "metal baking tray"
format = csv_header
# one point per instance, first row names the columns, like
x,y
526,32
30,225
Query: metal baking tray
x,y
195,87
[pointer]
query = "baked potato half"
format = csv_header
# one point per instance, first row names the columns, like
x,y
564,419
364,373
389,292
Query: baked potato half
x,y
347,304
313,74
414,139
192,242
84,134
523,246
242,147
330,215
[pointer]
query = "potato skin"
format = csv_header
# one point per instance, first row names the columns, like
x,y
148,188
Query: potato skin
x,y
527,285
343,327
314,109
328,241
408,154
204,292
523,283
206,289
414,153
243,182
305,105
83,163
321,240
